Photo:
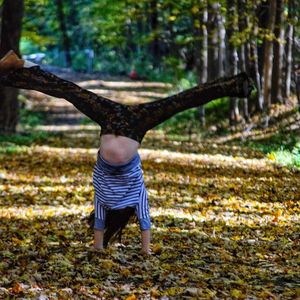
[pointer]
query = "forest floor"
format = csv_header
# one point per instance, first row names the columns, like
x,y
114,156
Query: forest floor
x,y
225,218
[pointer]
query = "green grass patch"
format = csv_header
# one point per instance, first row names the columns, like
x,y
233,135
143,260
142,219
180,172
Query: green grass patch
x,y
282,147
24,139
21,142
11,148
281,141
286,158
31,119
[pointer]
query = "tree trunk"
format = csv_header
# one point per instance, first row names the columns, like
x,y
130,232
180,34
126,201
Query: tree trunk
x,y
200,46
268,55
276,95
221,44
262,12
232,58
254,73
12,14
154,47
288,51
63,27
242,50
212,43
297,82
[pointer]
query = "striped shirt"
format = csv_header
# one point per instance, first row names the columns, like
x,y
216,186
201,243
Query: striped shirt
x,y
120,186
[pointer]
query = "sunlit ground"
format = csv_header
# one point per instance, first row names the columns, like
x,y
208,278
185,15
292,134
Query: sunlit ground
x,y
225,222
223,226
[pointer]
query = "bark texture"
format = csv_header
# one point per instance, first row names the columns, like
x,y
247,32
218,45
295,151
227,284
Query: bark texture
x,y
12,14
268,57
63,28
232,58
276,95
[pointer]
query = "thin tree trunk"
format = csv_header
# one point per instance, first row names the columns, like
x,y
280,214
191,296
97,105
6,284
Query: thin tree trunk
x,y
297,81
232,58
262,12
242,50
201,52
12,14
221,46
212,34
288,51
65,38
254,69
276,94
268,57
154,47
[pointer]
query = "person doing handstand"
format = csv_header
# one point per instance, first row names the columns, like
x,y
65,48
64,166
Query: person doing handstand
x,y
117,178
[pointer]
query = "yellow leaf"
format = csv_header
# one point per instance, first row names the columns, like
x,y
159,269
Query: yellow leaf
x,y
125,272
131,297
16,241
236,294
155,293
271,156
107,264
157,248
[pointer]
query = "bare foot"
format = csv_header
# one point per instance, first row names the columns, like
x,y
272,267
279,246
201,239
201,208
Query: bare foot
x,y
10,62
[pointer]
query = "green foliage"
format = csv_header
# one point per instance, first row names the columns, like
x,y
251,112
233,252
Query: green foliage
x,y
281,141
290,158
31,119
282,147
7,148
23,139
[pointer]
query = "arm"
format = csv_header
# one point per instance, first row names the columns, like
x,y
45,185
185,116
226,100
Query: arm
x,y
146,237
99,224
98,239
143,214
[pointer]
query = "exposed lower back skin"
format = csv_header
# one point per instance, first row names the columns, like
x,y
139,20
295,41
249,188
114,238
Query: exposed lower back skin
x,y
117,149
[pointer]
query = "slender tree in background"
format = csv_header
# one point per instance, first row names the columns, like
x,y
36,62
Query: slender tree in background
x,y
221,42
12,14
212,40
267,55
154,47
63,27
253,61
200,48
288,51
276,95
232,57
242,50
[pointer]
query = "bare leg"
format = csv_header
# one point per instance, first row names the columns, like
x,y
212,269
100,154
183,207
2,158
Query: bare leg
x,y
18,73
132,121
154,113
